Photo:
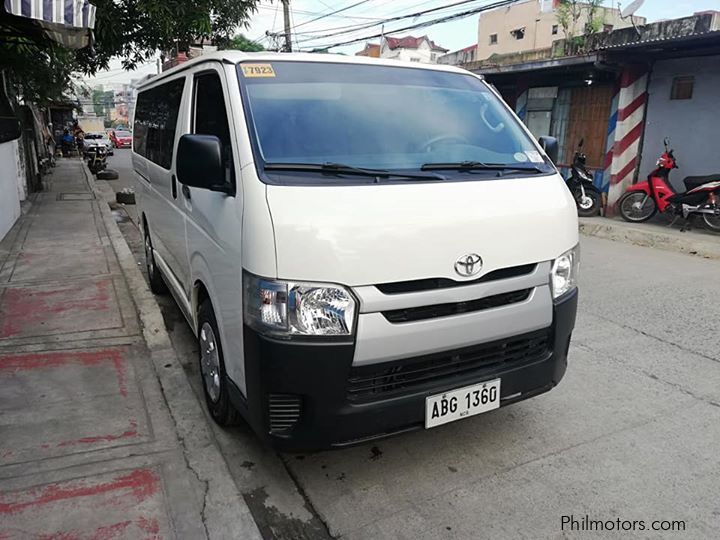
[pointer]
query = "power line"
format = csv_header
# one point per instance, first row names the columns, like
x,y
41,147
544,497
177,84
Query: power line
x,y
318,13
425,24
394,19
332,13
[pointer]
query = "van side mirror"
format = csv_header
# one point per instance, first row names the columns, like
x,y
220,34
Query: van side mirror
x,y
550,145
200,163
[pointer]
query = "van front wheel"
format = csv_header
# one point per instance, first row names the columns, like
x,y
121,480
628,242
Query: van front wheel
x,y
157,284
212,368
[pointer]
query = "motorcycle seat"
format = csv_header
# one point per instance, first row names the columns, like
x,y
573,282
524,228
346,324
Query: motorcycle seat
x,y
691,182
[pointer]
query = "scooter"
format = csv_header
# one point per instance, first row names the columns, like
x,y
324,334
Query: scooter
x,y
97,158
587,196
644,199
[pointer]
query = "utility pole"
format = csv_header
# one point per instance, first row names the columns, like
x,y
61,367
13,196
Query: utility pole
x,y
382,38
286,15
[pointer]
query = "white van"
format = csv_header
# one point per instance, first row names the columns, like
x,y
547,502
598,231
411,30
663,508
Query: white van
x,y
363,247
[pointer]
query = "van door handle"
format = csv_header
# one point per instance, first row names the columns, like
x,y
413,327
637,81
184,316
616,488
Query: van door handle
x,y
174,186
186,192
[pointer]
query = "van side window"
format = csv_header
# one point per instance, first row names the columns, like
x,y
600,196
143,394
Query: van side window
x,y
210,115
156,114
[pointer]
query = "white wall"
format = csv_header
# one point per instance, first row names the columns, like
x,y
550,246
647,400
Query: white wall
x,y
693,125
9,183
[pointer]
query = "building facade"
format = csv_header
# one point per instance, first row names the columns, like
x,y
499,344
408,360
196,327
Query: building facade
x,y
622,92
411,49
682,105
24,128
371,49
462,56
533,24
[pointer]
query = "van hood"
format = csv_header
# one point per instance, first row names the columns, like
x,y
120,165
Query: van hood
x,y
382,233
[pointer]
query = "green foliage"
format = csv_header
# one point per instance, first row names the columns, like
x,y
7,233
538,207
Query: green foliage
x,y
241,43
569,12
41,70
102,101
135,29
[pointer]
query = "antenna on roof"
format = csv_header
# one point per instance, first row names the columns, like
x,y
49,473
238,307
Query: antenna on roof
x,y
632,7
629,11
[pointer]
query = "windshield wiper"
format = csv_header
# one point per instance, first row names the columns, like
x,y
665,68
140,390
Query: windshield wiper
x,y
340,168
480,166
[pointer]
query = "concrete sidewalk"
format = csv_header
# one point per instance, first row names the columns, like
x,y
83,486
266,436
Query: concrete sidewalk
x,y
100,434
655,234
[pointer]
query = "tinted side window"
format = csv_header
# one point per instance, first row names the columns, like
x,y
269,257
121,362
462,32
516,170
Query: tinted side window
x,y
210,116
156,114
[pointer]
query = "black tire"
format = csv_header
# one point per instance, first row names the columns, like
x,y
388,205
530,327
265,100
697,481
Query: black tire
x,y
712,222
107,174
590,206
626,202
157,284
212,368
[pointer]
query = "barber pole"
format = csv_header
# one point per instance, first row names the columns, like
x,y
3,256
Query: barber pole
x,y
610,142
624,156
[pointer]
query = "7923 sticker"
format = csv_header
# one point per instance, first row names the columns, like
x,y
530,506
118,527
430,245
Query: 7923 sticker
x,y
257,70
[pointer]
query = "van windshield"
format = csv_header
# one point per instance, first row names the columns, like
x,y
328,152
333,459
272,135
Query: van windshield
x,y
379,118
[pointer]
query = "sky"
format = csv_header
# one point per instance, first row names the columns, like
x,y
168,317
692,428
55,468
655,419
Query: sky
x,y
451,35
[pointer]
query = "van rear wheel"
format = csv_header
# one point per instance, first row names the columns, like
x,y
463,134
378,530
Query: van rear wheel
x,y
212,368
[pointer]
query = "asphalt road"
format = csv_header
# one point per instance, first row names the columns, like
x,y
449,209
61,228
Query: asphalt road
x,y
631,433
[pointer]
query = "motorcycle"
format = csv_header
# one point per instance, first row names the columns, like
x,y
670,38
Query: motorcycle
x,y
702,196
587,196
97,157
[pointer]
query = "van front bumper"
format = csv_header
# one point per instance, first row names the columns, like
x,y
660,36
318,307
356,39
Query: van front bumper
x,y
298,392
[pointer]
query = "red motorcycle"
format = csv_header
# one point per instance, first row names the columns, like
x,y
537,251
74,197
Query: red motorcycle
x,y
644,199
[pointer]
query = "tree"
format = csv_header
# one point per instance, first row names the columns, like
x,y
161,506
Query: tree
x,y
41,70
135,29
569,12
241,43
102,101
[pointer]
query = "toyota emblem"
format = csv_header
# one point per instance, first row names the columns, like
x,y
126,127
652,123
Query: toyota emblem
x,y
468,265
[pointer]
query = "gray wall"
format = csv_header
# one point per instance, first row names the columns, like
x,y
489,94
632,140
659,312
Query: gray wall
x,y
693,125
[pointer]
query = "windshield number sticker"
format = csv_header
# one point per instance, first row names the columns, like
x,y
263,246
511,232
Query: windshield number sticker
x,y
534,156
258,70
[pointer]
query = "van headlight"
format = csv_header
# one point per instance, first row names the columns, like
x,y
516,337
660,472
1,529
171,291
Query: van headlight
x,y
564,273
290,308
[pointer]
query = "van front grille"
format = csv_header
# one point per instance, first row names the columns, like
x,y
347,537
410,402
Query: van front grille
x,y
456,308
417,285
284,412
469,364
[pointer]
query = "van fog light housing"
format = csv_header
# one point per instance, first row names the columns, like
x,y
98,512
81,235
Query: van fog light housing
x,y
287,308
564,273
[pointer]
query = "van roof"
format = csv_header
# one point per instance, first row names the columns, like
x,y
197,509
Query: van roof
x,y
235,57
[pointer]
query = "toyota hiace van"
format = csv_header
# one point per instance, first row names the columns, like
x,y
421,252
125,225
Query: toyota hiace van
x,y
362,247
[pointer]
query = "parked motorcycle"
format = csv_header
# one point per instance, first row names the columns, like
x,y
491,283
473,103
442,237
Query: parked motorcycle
x,y
702,195
587,196
97,157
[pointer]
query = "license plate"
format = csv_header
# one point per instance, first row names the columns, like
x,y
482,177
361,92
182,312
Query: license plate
x,y
461,403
